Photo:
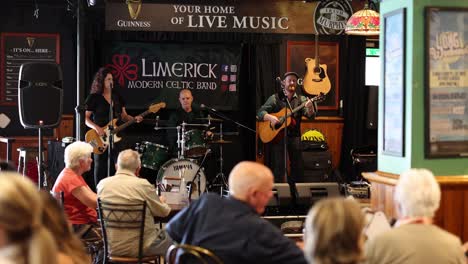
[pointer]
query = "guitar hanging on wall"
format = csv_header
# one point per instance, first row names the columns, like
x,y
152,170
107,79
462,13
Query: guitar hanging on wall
x,y
316,79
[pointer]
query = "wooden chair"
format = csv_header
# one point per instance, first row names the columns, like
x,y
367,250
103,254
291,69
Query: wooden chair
x,y
180,253
124,216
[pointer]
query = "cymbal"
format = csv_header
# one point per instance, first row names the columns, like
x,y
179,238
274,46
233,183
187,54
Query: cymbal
x,y
201,125
212,119
220,141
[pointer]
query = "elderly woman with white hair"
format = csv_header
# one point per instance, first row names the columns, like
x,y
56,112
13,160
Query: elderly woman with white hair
x,y
415,239
79,201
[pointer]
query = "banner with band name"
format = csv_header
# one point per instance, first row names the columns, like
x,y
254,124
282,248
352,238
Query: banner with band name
x,y
147,73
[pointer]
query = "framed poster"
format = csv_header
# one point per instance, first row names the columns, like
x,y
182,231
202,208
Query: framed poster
x,y
19,48
446,82
394,83
301,57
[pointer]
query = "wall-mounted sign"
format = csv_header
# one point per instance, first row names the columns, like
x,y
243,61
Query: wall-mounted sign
x,y
19,48
283,17
446,76
331,16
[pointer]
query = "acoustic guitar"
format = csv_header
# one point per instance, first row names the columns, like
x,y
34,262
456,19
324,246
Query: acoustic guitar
x,y
100,143
316,79
267,132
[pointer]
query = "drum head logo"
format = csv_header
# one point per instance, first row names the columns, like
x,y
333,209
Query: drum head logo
x,y
331,16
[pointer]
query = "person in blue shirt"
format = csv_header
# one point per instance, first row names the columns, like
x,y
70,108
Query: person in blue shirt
x,y
231,227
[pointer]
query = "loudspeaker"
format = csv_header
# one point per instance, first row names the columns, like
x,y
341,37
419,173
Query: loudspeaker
x,y
372,107
317,166
40,95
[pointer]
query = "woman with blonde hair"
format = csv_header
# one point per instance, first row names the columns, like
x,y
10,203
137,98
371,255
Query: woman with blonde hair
x,y
23,238
333,232
71,249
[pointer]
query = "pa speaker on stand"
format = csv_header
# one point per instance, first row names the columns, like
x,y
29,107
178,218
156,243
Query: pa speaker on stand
x,y
40,96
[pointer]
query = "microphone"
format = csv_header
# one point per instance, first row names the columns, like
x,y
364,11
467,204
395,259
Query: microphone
x,y
282,93
156,125
202,106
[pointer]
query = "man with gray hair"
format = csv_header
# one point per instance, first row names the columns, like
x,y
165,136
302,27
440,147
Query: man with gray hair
x,y
127,187
415,239
231,227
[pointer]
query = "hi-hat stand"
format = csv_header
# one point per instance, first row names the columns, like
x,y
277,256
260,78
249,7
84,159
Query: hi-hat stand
x,y
220,176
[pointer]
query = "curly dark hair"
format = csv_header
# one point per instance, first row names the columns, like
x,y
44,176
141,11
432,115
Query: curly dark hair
x,y
98,81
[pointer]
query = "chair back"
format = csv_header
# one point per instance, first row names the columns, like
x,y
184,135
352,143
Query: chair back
x,y
181,253
122,216
59,196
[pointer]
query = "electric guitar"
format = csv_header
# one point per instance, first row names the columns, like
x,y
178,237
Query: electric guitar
x,y
100,143
316,79
268,132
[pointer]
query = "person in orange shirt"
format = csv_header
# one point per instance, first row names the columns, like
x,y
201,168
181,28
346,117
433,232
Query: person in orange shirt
x,y
79,201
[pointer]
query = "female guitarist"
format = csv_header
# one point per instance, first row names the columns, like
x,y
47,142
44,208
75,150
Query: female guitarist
x,y
269,113
98,103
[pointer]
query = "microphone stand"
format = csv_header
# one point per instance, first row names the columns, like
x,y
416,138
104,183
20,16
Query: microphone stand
x,y
215,112
40,166
80,111
197,174
111,135
291,182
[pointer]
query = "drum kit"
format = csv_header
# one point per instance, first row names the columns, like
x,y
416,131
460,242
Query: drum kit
x,y
192,148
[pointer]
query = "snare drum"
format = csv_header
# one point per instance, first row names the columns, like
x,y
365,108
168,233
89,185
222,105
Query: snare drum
x,y
153,155
195,145
186,169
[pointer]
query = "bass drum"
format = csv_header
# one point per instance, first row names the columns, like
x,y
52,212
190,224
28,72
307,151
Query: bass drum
x,y
186,169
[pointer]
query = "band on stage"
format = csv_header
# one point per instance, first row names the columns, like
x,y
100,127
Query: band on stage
x,y
191,139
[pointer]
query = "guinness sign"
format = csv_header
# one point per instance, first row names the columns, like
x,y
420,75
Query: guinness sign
x,y
134,8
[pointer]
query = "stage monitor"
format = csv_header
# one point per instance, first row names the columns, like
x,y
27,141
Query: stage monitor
x,y
308,193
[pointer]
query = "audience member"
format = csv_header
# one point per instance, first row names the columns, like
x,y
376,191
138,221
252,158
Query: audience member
x,y
333,232
465,249
71,249
414,239
231,227
127,187
23,238
80,201
6,165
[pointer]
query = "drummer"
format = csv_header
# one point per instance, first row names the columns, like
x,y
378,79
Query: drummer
x,y
187,113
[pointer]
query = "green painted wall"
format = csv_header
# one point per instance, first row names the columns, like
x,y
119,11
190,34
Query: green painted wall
x,y
414,96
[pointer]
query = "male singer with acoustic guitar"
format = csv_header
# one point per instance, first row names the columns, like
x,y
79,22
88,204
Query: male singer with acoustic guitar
x,y
97,116
276,103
